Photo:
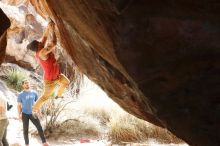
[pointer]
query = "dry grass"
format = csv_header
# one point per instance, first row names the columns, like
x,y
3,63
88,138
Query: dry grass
x,y
163,135
123,127
81,127
127,128
98,113
77,128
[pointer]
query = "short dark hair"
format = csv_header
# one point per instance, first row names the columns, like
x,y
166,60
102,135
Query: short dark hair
x,y
33,46
24,80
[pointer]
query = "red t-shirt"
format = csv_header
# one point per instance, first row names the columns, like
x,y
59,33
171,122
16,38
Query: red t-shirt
x,y
50,66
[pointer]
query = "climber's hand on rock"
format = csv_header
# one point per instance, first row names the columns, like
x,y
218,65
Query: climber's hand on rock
x,y
50,21
51,24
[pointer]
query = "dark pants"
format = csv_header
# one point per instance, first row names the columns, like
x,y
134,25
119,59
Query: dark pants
x,y
36,122
3,132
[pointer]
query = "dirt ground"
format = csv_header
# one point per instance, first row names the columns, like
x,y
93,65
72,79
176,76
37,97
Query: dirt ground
x,y
15,138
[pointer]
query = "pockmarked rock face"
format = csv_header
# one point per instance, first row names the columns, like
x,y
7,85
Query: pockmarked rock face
x,y
24,28
159,60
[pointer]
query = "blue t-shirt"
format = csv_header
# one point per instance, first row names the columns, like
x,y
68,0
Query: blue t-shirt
x,y
27,99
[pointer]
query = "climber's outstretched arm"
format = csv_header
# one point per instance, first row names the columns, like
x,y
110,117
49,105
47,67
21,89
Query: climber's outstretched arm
x,y
50,27
50,44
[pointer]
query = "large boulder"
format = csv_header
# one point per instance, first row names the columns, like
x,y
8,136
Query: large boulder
x,y
159,60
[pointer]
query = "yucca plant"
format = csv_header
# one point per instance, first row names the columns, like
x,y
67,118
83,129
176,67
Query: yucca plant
x,y
14,77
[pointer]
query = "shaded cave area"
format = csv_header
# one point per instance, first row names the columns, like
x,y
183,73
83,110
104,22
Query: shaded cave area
x,y
158,60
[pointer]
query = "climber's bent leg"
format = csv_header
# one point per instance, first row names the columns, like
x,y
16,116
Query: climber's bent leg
x,y
49,87
63,82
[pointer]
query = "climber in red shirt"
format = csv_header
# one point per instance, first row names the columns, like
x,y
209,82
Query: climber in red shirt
x,y
52,76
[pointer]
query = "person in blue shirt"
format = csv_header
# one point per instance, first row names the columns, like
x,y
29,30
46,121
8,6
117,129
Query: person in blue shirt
x,y
26,100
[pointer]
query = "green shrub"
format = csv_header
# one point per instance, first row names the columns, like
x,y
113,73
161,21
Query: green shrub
x,y
14,78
